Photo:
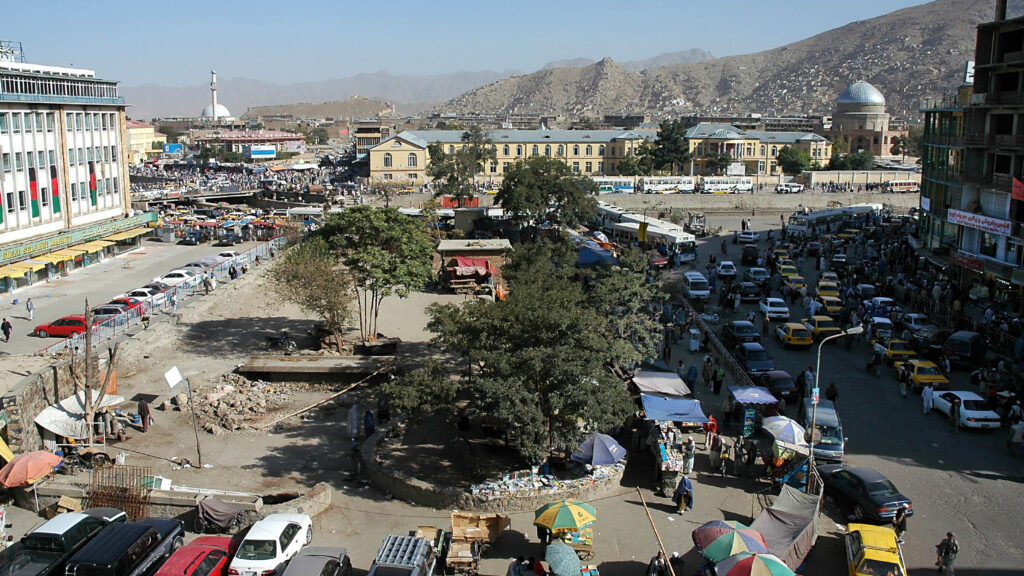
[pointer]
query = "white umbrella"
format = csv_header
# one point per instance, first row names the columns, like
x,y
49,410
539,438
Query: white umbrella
x,y
599,449
785,431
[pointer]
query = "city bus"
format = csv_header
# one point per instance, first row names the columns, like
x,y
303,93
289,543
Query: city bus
x,y
674,240
831,221
901,186
666,184
615,184
726,184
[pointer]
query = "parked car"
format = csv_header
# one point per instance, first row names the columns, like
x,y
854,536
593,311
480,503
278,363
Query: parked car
x,y
774,308
873,550
141,295
271,542
319,561
974,410
739,331
204,556
827,440
821,326
228,239
404,556
726,269
965,348
62,327
759,276
893,350
695,286
863,493
794,335
128,549
46,550
192,238
229,254
919,373
179,278
749,237
753,358
914,321
749,255
104,312
780,384
749,292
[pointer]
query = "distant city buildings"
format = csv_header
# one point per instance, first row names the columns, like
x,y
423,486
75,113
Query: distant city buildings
x,y
144,142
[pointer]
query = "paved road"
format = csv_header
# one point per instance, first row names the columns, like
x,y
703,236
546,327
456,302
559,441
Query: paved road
x,y
99,283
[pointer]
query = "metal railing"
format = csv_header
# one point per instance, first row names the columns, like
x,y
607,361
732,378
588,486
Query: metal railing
x,y
173,297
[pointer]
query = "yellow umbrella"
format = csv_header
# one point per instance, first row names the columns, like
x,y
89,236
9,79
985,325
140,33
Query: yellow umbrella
x,y
565,515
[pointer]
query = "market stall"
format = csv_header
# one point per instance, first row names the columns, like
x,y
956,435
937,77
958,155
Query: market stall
x,y
669,421
747,407
667,384
569,522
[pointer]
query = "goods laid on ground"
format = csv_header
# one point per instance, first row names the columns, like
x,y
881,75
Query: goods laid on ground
x,y
527,483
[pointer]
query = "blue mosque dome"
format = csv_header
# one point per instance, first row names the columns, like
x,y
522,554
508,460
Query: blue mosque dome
x,y
861,92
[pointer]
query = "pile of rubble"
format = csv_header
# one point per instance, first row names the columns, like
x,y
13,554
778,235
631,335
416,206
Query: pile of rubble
x,y
237,403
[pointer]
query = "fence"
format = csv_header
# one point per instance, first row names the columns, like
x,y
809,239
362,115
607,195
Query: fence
x,y
170,299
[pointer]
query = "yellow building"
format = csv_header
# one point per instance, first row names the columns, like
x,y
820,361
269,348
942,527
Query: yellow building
x,y
143,141
757,151
404,157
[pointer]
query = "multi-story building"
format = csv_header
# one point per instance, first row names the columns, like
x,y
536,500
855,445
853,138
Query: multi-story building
x,y
758,151
860,120
403,158
143,141
942,169
64,179
369,134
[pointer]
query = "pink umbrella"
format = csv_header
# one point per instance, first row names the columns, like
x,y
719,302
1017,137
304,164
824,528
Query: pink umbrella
x,y
28,468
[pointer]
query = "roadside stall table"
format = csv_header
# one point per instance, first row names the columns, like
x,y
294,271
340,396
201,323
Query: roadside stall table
x,y
582,541
670,420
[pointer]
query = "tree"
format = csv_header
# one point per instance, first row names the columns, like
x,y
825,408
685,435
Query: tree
x,y
793,161
387,252
169,131
90,384
455,172
855,161
310,275
912,142
839,146
898,147
671,149
717,163
639,163
317,136
541,189
425,391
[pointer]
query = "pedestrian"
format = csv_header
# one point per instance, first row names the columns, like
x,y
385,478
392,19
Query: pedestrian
x,y
1015,414
537,567
691,376
174,302
706,371
899,522
543,534
232,272
369,427
832,392
766,325
1013,444
516,567
812,381
946,552
927,395
681,371
145,415
30,307
683,495
954,414
710,429
6,328
677,564
206,285
689,453
719,380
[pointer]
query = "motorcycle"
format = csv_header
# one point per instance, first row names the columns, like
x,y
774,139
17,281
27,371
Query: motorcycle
x,y
213,515
281,341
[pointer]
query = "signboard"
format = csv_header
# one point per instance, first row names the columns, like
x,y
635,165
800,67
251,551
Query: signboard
x,y
968,262
815,395
261,151
178,149
980,222
926,204
969,72
173,377
749,416
91,233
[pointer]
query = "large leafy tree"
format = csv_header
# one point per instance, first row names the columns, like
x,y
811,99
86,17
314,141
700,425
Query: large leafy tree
x,y
671,149
311,276
455,172
640,163
793,161
855,161
898,147
717,163
545,189
388,253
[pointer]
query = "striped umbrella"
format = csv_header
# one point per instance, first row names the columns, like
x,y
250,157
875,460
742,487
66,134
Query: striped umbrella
x,y
718,540
565,515
747,564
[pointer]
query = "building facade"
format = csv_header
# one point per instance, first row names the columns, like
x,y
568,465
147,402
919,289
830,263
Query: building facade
x,y
144,141
860,120
758,151
240,140
942,169
403,158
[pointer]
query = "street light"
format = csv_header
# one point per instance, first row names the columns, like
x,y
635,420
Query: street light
x,y
814,401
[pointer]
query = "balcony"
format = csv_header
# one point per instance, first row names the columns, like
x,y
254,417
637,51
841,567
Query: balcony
x,y
979,140
997,182
1009,141
951,140
1004,98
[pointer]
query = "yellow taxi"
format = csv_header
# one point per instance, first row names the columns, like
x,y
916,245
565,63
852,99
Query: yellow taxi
x,y
830,305
849,234
794,284
873,551
893,349
794,335
780,254
919,373
829,276
827,289
786,271
821,326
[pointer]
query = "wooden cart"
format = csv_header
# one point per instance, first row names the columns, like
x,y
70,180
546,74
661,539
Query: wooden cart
x,y
471,537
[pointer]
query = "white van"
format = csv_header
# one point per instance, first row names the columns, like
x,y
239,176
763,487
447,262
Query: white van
x,y
789,188
695,286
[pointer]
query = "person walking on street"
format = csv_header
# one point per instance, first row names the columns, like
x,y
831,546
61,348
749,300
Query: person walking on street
x,y
689,453
832,392
711,428
658,565
1013,444
927,395
899,522
174,302
6,328
683,495
946,552
954,415
30,307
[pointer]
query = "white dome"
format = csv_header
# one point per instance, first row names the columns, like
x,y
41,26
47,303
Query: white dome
x,y
861,92
222,112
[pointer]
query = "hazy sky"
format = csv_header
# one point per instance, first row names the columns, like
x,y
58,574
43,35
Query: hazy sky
x,y
177,42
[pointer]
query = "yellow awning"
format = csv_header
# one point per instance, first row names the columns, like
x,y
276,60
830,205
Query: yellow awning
x,y
29,265
69,253
125,235
103,243
8,272
5,451
91,247
53,257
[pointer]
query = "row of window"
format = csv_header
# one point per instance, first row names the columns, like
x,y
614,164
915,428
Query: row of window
x,y
19,200
29,122
411,161
81,121
702,149
15,84
24,160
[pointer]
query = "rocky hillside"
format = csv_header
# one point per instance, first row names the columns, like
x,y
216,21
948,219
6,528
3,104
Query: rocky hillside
x,y
908,54
352,108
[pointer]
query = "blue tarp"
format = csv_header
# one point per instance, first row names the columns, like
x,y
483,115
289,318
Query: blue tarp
x,y
593,256
672,409
752,395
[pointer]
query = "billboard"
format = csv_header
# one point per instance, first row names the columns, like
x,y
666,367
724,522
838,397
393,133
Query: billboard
x,y
174,149
261,152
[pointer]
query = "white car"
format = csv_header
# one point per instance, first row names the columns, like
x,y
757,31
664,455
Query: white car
x,y
229,254
270,543
726,269
974,411
179,277
749,237
774,308
156,297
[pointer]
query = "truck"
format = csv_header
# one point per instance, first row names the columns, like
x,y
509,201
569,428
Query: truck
x,y
46,550
413,555
128,549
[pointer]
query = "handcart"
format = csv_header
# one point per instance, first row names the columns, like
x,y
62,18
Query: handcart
x,y
471,537
582,541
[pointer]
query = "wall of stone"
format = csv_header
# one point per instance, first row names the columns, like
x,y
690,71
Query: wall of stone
x,y
26,400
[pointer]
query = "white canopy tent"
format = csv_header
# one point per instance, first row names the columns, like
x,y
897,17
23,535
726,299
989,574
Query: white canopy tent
x,y
67,418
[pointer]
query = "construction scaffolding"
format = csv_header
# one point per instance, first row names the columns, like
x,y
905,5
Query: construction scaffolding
x,y
121,487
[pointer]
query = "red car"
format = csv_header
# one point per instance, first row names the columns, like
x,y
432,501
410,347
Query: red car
x,y
204,556
129,301
63,327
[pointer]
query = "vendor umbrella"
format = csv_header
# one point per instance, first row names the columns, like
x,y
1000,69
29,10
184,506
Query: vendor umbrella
x,y
565,515
747,564
27,468
718,540
562,559
599,449
785,430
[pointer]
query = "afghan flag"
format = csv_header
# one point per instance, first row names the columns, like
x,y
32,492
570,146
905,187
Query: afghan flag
x,y
92,182
2,211
55,189
33,188
1017,192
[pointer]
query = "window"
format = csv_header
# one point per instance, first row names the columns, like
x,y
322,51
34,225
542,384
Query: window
x,y
775,151
600,150
504,150
41,159
535,150
22,200
104,118
989,244
4,123
600,167
387,159
71,156
81,155
40,122
575,149
19,161
10,202
519,150
504,167
451,149
589,167
411,176
113,153
561,150
16,122
387,176
576,167
117,188
70,121
109,188
30,159
52,157
547,149
590,150
80,122
762,150
74,191
106,154
7,161
412,161
208,564
44,198
91,153
494,167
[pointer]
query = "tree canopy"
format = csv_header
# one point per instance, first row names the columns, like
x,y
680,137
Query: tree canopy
x,y
671,150
387,252
311,276
455,172
541,189
854,161
793,161
717,163
640,163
